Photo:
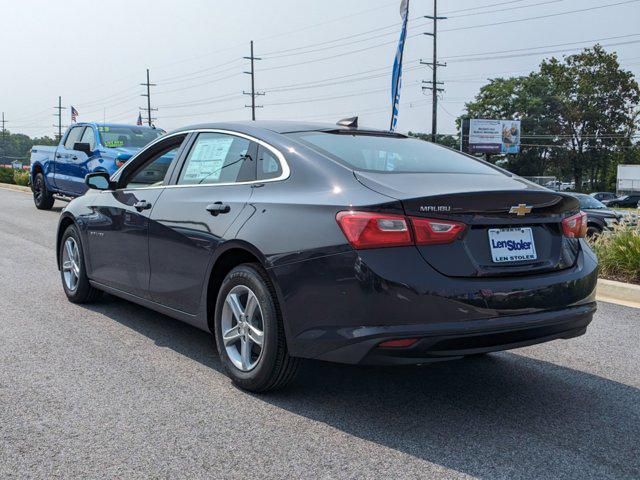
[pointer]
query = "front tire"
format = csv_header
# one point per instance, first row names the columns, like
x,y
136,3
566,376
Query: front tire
x,y
72,269
249,331
41,196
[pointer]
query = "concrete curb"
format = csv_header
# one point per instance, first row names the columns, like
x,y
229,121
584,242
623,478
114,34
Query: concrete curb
x,y
18,188
617,292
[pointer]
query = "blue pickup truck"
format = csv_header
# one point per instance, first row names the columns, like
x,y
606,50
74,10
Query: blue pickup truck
x,y
59,172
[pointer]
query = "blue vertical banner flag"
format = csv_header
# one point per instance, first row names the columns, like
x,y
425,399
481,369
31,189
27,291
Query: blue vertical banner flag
x,y
396,80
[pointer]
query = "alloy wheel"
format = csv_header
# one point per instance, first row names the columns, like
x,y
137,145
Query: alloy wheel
x,y
38,189
242,328
71,263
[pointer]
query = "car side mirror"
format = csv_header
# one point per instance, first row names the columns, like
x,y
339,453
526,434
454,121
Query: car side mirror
x,y
98,181
82,147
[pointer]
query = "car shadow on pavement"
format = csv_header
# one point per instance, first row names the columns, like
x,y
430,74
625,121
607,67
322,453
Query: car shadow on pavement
x,y
504,415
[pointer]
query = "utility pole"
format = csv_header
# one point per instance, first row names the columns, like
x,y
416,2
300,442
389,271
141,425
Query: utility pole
x,y
434,83
148,84
4,144
59,115
253,92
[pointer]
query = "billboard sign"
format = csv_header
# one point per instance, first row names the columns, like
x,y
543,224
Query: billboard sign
x,y
494,136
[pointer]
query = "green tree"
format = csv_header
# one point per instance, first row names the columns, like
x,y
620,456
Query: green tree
x,y
595,105
578,115
446,140
17,146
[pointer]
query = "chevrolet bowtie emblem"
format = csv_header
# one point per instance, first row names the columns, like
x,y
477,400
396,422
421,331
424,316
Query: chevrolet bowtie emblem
x,y
521,210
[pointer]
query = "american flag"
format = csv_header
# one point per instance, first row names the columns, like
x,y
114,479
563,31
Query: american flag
x,y
74,114
139,122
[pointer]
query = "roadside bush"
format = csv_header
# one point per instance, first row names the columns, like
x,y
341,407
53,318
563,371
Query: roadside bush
x,y
6,175
21,177
619,254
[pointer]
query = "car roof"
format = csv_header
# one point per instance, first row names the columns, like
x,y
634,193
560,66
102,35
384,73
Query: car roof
x,y
278,126
100,124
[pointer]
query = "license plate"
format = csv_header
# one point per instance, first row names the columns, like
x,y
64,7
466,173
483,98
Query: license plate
x,y
512,244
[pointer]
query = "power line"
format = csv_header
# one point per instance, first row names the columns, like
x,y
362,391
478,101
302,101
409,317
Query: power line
x,y
545,52
549,15
479,7
333,97
471,14
286,52
189,87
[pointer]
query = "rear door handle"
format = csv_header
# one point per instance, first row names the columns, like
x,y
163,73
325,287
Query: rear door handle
x,y
217,208
142,205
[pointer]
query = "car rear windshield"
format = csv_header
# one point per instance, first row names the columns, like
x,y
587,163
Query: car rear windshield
x,y
391,154
128,137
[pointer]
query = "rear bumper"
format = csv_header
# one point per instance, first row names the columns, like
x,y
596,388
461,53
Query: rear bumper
x,y
341,307
445,341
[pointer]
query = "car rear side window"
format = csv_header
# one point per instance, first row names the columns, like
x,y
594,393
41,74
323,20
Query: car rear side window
x,y
74,137
215,158
391,154
268,164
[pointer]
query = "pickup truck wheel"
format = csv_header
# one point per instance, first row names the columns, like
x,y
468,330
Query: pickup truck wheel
x,y
593,231
41,196
72,270
249,332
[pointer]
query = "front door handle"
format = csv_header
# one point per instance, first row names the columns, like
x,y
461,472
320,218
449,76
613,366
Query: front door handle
x,y
217,208
74,157
142,205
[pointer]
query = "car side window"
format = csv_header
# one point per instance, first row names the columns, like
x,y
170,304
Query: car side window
x,y
153,172
215,158
89,137
268,164
73,137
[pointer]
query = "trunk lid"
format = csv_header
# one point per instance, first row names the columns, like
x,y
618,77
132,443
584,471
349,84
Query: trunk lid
x,y
488,205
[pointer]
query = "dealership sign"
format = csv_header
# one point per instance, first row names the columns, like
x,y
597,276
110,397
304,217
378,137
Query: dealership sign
x,y
494,136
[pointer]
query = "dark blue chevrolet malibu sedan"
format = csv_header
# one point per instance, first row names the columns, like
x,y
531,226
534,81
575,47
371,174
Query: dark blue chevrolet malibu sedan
x,y
332,242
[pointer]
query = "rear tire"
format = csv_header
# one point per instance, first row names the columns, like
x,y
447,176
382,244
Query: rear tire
x,y
41,196
72,269
593,232
247,314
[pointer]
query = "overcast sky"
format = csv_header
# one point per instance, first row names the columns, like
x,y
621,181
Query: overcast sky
x,y
95,54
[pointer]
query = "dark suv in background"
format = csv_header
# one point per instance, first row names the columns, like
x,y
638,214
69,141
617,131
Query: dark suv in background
x,y
599,216
602,196
624,201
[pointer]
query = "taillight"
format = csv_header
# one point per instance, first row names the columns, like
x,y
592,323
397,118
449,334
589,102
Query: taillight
x,y
374,230
575,226
434,232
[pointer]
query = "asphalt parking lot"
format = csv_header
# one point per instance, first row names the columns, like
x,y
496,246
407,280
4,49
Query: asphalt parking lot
x,y
112,390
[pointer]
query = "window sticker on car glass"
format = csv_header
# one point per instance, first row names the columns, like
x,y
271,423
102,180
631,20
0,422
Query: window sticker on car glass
x,y
207,159
103,128
113,143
